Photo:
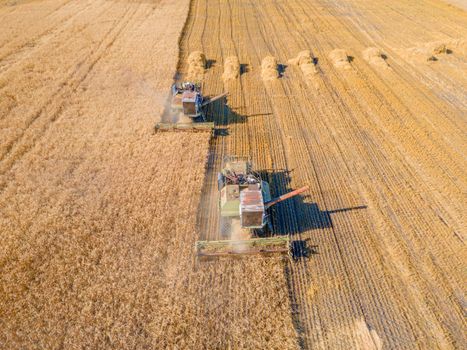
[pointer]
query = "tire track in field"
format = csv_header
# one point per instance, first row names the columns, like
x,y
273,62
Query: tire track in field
x,y
422,72
275,184
256,150
409,77
347,89
8,77
58,9
328,137
26,227
212,85
376,89
350,132
208,223
55,96
299,311
24,51
296,139
407,117
44,118
207,205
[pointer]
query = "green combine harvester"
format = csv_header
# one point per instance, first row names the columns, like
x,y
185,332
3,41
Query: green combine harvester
x,y
187,111
244,200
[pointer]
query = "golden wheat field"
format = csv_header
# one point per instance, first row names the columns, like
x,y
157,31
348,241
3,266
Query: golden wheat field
x,y
363,101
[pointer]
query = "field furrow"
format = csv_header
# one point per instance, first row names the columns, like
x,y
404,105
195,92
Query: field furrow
x,y
99,215
352,131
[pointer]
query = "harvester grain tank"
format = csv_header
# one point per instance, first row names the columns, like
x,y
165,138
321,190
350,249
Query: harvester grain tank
x,y
187,111
244,200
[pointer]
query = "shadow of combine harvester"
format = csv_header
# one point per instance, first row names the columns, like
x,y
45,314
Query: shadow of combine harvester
x,y
285,215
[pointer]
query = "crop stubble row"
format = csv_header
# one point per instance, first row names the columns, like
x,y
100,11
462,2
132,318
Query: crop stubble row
x,y
358,149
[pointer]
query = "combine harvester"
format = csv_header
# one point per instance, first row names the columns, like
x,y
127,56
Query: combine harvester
x,y
187,109
244,199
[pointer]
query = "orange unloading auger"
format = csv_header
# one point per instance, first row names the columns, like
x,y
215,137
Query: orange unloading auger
x,y
269,204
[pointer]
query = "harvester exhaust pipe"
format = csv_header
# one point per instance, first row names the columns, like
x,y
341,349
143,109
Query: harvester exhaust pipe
x,y
285,196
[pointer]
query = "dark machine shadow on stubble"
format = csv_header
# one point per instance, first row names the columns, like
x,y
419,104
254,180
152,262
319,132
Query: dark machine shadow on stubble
x,y
298,214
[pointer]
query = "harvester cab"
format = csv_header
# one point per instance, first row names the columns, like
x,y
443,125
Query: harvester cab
x,y
243,194
187,100
244,200
187,111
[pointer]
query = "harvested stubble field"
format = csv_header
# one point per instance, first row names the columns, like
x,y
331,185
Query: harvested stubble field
x,y
98,216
